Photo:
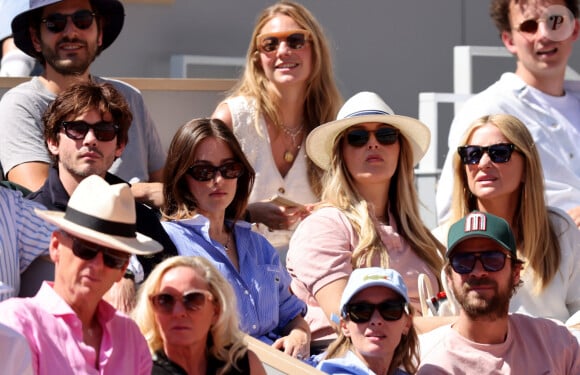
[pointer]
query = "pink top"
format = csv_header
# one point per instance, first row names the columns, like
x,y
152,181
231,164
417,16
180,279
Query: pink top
x,y
532,346
55,336
321,250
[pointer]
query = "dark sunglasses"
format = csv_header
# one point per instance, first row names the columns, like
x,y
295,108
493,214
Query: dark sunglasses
x,y
82,19
531,26
492,261
88,250
206,172
192,301
360,137
295,39
362,312
498,153
77,130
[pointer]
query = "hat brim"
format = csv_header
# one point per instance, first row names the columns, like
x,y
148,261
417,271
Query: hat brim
x,y
138,245
477,235
112,24
321,140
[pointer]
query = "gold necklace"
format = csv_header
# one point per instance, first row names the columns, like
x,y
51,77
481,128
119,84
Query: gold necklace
x,y
293,133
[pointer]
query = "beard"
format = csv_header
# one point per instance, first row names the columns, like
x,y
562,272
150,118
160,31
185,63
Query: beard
x,y
477,306
74,65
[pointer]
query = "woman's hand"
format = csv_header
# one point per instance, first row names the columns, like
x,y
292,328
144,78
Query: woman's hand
x,y
296,344
276,217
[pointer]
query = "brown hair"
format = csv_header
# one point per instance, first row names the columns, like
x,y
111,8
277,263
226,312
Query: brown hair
x,y
499,10
81,98
179,202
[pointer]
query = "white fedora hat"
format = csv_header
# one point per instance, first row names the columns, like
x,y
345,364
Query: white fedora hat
x,y
360,108
103,214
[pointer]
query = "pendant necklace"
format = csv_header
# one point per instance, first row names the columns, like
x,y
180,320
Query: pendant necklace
x,y
293,133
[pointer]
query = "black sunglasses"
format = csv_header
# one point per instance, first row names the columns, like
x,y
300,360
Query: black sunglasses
x,y
360,137
88,250
77,130
206,172
82,19
295,39
192,301
498,153
362,312
492,261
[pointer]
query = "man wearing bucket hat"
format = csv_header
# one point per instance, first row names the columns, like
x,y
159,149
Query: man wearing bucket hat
x,y
376,326
370,216
483,271
66,36
69,327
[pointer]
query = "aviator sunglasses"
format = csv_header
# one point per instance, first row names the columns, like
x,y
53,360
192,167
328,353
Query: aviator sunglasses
x,y
464,263
360,137
82,19
362,312
192,301
88,250
77,130
498,153
206,172
295,39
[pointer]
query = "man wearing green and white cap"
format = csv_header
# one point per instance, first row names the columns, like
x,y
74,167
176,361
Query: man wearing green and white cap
x,y
483,271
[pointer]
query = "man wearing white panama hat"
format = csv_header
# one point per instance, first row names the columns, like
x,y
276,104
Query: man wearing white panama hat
x,y
69,327
370,215
66,36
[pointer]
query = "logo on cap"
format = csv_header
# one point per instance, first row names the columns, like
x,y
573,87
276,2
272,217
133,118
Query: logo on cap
x,y
475,222
376,277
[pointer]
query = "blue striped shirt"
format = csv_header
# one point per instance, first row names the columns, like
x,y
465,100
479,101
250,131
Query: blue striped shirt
x,y
23,237
262,287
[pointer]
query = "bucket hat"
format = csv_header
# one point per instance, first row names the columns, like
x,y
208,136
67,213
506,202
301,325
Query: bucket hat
x,y
360,108
105,215
363,278
110,12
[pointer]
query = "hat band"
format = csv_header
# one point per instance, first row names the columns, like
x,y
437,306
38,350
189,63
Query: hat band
x,y
113,228
367,112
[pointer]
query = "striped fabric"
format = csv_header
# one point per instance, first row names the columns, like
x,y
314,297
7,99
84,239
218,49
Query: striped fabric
x,y
23,237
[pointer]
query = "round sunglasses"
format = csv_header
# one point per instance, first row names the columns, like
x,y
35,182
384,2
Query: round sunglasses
x,y
192,301
206,172
77,130
87,250
464,263
295,39
498,153
362,312
360,137
56,22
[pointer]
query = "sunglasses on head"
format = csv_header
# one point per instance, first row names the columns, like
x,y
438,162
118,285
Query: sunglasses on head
x,y
82,19
362,312
464,263
77,130
165,303
360,137
295,39
498,153
206,172
88,250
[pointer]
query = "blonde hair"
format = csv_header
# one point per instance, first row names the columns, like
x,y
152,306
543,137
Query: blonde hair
x,y
225,340
536,238
340,191
406,353
321,99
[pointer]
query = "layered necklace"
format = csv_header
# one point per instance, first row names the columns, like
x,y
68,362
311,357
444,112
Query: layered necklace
x,y
293,134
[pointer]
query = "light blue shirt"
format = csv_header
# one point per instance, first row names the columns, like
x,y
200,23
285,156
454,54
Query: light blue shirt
x,y
262,286
23,237
350,364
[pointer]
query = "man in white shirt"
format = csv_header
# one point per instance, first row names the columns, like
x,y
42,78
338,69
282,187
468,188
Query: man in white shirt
x,y
483,271
540,34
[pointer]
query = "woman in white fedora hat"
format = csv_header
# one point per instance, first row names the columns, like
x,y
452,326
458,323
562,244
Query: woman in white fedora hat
x,y
369,215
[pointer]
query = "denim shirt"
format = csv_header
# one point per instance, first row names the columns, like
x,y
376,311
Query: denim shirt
x,y
262,287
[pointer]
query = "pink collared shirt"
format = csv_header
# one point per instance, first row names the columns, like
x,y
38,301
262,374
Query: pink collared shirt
x,y
55,336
